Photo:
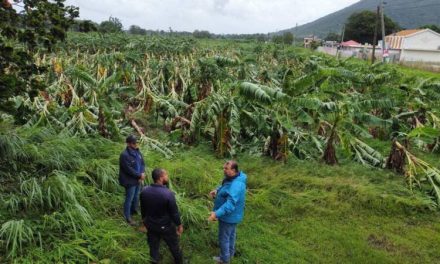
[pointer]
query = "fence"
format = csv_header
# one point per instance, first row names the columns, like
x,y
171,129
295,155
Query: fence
x,y
364,53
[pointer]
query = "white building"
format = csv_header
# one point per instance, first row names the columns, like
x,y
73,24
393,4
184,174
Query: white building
x,y
415,45
309,40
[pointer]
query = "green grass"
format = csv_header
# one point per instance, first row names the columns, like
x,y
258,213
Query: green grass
x,y
299,212
420,70
306,212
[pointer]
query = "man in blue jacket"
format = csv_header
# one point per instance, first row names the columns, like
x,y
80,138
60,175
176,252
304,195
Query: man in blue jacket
x,y
131,175
229,209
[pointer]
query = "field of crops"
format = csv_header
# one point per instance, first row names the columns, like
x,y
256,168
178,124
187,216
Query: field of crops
x,y
342,156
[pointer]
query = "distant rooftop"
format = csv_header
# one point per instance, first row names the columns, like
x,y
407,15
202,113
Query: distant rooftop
x,y
350,43
406,32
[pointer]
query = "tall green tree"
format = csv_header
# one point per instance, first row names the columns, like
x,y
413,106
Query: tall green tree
x,y
87,26
332,36
433,27
278,39
286,38
39,26
137,30
112,25
360,27
202,34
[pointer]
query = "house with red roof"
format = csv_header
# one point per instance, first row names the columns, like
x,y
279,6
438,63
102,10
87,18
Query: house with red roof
x,y
351,43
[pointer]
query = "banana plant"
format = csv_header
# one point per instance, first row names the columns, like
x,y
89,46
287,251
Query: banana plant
x,y
417,172
101,95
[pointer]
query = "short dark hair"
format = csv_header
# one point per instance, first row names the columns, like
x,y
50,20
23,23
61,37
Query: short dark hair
x,y
233,164
157,172
131,139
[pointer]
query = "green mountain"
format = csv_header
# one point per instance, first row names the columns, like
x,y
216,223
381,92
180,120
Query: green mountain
x,y
407,13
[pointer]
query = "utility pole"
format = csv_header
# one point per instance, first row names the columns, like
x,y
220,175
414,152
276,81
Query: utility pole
x,y
384,48
373,58
294,36
343,33
342,40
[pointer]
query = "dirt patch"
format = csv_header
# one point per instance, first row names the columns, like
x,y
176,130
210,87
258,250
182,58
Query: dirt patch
x,y
381,242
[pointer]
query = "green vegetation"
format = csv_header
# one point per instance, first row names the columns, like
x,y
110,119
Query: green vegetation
x,y
41,25
332,36
408,14
433,27
286,38
285,113
112,25
360,27
297,212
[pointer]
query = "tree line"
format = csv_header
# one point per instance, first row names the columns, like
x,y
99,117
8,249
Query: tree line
x,y
360,27
114,25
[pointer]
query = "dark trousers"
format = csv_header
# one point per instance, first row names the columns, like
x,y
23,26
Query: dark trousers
x,y
169,235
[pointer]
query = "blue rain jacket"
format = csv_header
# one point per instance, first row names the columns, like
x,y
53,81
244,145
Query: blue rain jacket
x,y
230,200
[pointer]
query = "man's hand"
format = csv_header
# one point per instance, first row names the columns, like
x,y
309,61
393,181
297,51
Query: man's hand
x,y
213,193
142,178
212,217
179,230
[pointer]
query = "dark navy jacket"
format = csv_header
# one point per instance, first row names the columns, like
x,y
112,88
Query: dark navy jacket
x,y
131,166
158,207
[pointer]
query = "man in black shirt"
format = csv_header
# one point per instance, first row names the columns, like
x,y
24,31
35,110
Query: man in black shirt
x,y
161,216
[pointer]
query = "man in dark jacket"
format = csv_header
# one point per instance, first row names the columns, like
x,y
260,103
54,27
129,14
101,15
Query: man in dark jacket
x,y
131,175
161,216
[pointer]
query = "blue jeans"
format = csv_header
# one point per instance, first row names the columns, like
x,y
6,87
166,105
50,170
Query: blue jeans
x,y
226,239
131,200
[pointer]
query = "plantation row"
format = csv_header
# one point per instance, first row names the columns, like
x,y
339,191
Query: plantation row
x,y
255,98
259,99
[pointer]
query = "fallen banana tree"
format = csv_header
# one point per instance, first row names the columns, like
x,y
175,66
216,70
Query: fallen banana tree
x,y
417,171
150,142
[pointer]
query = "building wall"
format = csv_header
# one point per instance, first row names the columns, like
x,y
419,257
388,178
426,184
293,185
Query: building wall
x,y
360,53
420,56
393,42
425,40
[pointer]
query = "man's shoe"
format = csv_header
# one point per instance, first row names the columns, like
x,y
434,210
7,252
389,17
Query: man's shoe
x,y
218,260
131,222
142,229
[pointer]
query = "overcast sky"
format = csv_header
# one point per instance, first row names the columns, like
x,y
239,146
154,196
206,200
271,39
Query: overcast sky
x,y
216,16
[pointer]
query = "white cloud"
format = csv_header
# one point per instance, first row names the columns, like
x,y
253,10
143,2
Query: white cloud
x,y
218,16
